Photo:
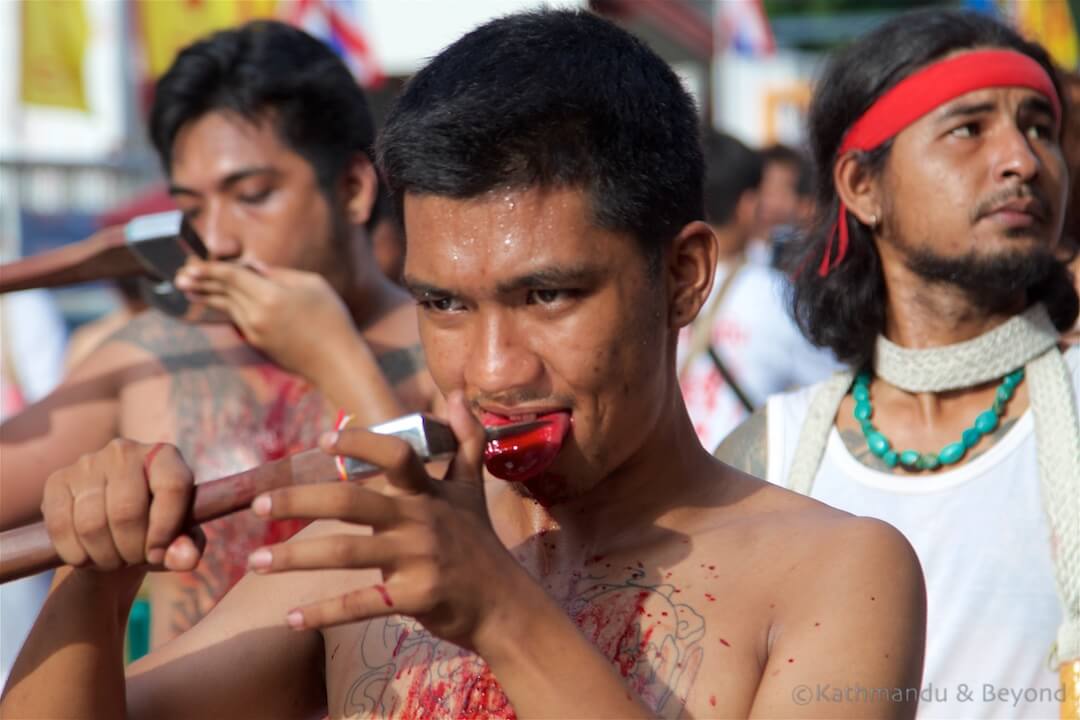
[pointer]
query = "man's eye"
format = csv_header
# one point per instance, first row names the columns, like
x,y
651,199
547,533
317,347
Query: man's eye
x,y
549,297
256,197
1040,131
442,304
190,213
964,131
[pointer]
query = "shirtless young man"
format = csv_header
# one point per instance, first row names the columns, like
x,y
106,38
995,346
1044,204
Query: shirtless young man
x,y
962,431
265,182
551,182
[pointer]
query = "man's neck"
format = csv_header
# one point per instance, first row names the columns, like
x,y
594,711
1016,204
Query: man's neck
x,y
368,294
922,314
618,508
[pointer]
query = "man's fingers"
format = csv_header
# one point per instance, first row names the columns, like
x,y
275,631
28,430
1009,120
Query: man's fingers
x,y
126,505
235,309
370,602
343,501
395,456
171,486
332,552
91,525
225,277
184,552
57,507
467,462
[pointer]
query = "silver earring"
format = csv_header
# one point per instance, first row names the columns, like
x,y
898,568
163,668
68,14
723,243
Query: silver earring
x,y
873,221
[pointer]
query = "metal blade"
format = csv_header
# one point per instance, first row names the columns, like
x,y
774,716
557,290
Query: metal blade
x,y
498,432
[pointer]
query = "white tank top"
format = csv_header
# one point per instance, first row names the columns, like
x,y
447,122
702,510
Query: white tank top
x,y
983,538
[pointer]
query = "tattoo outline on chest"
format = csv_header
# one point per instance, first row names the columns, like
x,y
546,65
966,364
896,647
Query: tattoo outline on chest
x,y
653,640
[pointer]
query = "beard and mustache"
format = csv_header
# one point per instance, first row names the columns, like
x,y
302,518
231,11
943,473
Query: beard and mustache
x,y
992,280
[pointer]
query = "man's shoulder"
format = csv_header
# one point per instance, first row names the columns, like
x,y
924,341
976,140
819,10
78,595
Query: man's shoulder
x,y
796,525
152,330
818,550
179,345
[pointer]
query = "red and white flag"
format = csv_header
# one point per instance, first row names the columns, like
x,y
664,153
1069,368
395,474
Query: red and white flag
x,y
341,25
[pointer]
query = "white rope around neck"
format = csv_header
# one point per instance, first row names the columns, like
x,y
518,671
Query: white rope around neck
x,y
988,357
1028,340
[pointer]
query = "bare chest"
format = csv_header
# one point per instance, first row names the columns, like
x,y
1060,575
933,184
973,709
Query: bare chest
x,y
667,640
224,413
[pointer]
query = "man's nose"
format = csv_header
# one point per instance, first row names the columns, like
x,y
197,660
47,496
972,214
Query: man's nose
x,y
1014,156
501,359
219,234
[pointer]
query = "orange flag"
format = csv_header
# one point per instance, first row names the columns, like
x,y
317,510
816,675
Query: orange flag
x,y
54,39
1051,24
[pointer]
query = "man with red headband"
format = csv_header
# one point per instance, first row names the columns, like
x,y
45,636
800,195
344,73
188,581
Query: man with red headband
x,y
933,272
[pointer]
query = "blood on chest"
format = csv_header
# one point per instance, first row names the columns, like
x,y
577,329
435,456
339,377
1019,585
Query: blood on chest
x,y
394,668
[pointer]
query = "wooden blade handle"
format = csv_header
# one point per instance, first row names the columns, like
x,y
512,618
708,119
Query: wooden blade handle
x,y
104,254
28,550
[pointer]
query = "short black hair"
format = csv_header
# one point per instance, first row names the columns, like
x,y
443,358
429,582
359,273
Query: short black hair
x,y
552,99
268,71
778,153
731,169
845,310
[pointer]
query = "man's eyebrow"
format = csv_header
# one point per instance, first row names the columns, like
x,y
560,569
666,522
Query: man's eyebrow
x,y
966,110
229,180
1039,104
552,277
420,290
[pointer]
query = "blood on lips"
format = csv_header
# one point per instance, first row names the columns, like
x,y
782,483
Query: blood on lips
x,y
519,458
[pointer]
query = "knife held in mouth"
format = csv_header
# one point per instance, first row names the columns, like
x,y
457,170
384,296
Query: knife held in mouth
x,y
28,550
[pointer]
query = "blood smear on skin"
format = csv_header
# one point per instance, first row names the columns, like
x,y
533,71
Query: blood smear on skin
x,y
385,595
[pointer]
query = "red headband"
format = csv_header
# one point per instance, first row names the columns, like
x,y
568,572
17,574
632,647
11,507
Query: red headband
x,y
918,94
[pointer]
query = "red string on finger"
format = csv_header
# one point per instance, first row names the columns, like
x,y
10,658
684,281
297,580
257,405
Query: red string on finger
x,y
150,457
343,420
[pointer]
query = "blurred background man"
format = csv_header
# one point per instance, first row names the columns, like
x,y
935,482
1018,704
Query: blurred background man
x,y
743,346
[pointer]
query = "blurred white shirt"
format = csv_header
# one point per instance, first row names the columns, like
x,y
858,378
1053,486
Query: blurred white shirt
x,y
760,346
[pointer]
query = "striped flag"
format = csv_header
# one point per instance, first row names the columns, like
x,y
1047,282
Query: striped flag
x,y
341,25
743,26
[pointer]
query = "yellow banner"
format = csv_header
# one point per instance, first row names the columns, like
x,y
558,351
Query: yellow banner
x,y
1051,24
168,26
54,39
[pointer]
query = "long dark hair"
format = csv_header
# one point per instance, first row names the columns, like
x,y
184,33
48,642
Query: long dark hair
x,y
845,310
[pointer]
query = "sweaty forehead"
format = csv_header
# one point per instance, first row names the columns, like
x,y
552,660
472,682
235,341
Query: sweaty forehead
x,y
479,243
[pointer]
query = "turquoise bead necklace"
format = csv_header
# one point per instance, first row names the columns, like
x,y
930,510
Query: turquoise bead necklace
x,y
952,453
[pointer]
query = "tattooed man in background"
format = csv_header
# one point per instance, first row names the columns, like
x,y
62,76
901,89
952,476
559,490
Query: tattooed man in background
x,y
266,141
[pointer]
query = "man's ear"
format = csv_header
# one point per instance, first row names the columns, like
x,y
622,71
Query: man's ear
x,y
858,188
691,264
359,187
